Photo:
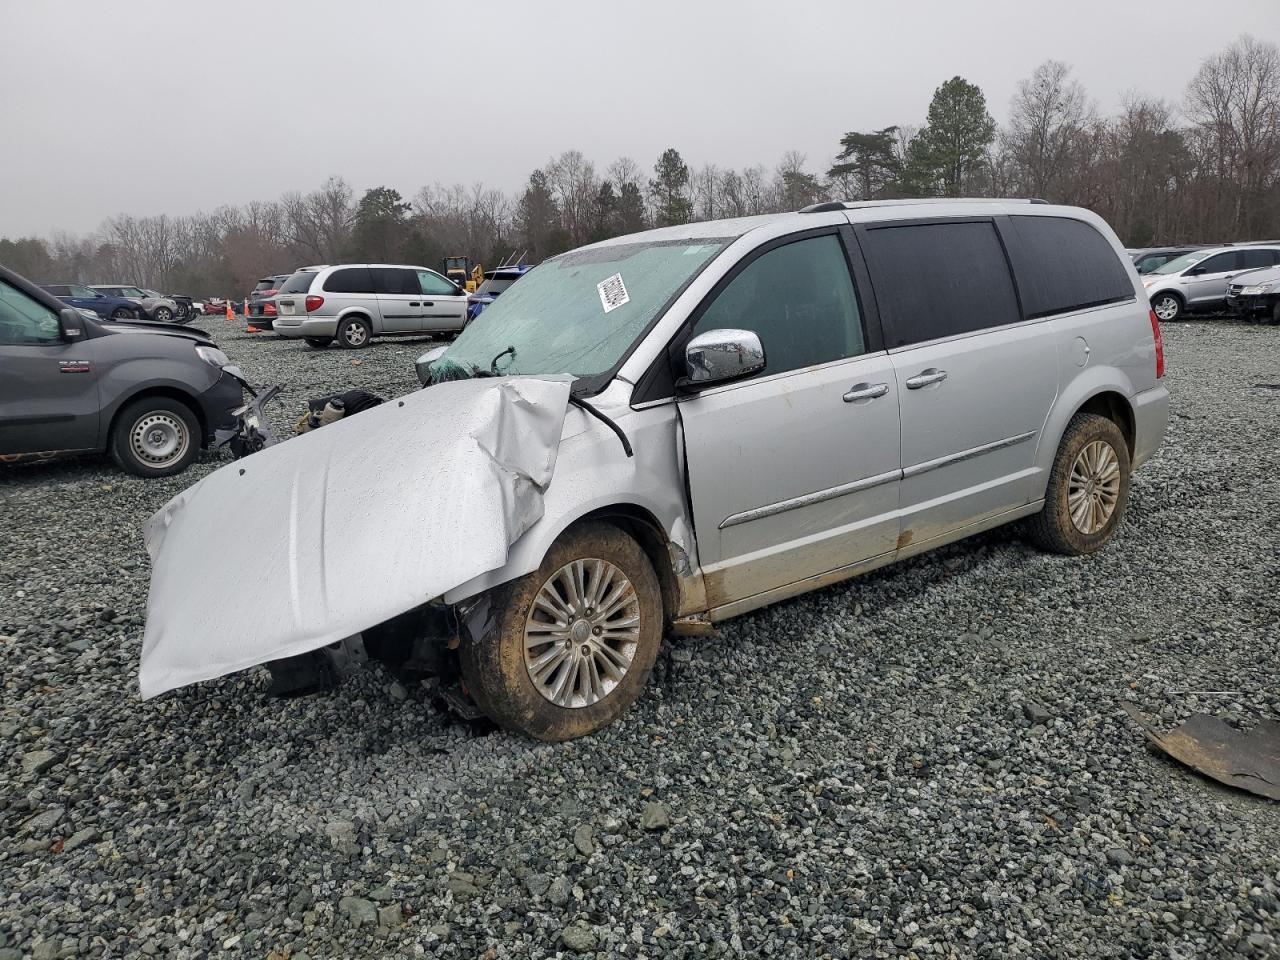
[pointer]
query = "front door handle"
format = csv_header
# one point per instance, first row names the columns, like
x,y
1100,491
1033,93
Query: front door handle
x,y
414,303
427,303
926,377
865,391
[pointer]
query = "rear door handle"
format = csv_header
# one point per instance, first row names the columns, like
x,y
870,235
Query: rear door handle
x,y
428,303
414,303
926,377
865,391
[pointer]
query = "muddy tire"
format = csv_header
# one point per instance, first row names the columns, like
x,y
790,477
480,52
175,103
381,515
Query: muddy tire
x,y
590,619
1088,489
155,437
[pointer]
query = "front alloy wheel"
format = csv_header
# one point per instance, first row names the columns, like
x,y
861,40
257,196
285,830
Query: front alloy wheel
x,y
1166,306
581,633
567,649
163,315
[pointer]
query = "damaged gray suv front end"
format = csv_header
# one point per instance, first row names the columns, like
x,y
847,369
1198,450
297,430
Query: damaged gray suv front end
x,y
657,432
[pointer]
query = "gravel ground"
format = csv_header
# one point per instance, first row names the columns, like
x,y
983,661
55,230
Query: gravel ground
x,y
929,761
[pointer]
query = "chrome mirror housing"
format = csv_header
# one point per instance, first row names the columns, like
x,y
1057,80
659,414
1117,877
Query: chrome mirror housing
x,y
719,356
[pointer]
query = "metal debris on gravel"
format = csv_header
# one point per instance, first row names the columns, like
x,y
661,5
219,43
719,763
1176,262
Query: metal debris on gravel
x,y
928,761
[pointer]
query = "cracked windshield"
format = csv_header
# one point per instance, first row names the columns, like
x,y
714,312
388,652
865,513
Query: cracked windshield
x,y
577,313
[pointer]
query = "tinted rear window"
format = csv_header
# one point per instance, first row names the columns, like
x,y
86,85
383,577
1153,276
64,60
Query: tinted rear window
x,y
934,280
349,280
394,280
58,291
265,285
1064,264
1252,259
298,283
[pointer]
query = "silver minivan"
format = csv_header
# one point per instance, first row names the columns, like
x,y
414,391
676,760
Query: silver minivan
x,y
661,431
355,302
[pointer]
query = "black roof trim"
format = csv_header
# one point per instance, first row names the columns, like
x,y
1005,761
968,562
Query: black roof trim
x,y
828,207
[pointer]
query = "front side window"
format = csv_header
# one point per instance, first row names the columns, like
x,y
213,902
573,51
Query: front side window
x,y
935,280
578,313
434,285
83,292
799,300
349,280
58,290
1220,263
25,321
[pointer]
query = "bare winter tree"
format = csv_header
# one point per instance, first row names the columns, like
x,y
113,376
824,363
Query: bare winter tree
x,y
1048,119
1234,104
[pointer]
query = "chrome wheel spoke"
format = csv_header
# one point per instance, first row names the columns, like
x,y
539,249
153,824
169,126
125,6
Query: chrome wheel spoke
x,y
581,633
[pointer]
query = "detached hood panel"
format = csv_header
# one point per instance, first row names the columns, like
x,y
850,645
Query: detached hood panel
x,y
322,536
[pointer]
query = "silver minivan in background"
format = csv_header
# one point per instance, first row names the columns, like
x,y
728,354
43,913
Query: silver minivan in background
x,y
354,302
660,431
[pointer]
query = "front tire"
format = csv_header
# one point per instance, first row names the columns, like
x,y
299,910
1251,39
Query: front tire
x,y
355,333
570,647
1168,307
155,437
121,313
1088,488
162,315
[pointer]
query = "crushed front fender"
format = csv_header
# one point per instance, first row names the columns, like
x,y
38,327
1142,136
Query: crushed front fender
x,y
313,540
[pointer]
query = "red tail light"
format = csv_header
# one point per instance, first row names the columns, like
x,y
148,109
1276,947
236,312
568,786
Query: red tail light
x,y
1160,344
314,303
268,309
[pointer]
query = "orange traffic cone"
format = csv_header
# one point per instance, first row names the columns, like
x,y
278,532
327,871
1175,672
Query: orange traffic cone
x,y
230,313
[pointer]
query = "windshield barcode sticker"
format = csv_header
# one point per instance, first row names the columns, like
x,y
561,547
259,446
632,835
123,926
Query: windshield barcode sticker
x,y
613,292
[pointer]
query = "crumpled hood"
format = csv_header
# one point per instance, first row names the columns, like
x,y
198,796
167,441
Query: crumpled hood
x,y
315,539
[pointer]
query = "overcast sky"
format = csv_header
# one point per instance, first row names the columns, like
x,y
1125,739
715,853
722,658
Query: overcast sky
x,y
173,106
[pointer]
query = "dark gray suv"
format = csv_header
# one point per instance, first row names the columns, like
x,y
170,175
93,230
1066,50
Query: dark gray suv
x,y
149,394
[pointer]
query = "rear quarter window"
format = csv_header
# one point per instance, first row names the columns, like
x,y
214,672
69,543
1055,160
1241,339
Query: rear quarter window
x,y
298,283
349,280
935,280
1064,264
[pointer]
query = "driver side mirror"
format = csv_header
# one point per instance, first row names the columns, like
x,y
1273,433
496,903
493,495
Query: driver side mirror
x,y
71,322
720,356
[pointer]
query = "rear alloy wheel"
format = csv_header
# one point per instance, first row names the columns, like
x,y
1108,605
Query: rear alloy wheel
x,y
1167,306
155,437
1088,488
121,313
162,315
319,343
354,333
569,647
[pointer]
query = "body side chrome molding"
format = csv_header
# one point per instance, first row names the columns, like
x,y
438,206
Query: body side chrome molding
x,y
808,499
926,466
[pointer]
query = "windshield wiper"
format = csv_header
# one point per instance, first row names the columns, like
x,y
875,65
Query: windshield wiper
x,y
578,402
493,364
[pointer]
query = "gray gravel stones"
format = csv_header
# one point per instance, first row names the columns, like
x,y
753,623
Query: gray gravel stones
x,y
847,774
654,816
358,910
37,762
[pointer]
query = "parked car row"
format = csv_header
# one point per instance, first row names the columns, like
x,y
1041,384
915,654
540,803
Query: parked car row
x,y
1200,280
117,301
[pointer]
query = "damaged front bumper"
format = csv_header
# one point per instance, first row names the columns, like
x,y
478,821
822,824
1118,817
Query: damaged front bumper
x,y
355,525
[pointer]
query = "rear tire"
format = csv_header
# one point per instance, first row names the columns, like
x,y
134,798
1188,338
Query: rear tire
x,y
355,333
121,313
319,343
1168,307
155,437
1088,488
591,671
1275,315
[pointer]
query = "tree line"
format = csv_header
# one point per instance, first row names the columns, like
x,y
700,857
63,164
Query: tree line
x,y
1206,169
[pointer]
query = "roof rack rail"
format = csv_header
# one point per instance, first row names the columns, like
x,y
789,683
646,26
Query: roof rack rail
x,y
1036,200
826,207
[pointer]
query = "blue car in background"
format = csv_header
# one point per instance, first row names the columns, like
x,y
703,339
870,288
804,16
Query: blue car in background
x,y
86,298
495,281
